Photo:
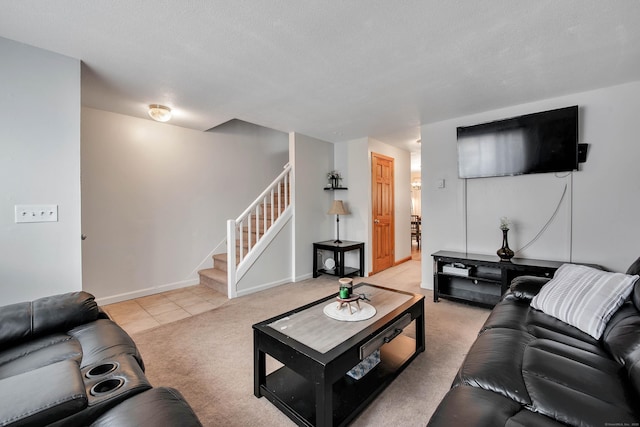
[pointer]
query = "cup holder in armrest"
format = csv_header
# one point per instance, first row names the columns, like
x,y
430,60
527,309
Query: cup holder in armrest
x,y
102,369
113,379
106,386
107,383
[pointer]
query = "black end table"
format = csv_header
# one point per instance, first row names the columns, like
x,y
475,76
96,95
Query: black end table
x,y
338,250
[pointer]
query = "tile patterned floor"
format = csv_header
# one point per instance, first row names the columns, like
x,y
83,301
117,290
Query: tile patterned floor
x,y
154,310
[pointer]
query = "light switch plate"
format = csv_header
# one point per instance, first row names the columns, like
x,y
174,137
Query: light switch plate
x,y
36,213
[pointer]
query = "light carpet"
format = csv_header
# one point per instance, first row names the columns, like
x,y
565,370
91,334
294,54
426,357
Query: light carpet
x,y
209,357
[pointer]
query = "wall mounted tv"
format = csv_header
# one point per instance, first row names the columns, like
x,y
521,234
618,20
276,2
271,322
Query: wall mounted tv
x,y
533,143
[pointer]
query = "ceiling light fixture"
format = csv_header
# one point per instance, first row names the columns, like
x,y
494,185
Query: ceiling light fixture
x,y
159,113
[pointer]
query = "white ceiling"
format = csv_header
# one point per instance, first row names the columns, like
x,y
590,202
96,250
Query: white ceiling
x,y
334,70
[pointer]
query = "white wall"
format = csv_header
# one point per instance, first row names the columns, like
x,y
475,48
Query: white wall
x,y
353,160
273,267
402,194
39,164
313,159
416,201
597,219
156,198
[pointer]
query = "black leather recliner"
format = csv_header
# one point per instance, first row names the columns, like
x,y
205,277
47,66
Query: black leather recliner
x,y
63,362
529,369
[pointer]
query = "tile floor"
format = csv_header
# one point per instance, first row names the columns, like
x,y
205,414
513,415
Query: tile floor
x,y
154,310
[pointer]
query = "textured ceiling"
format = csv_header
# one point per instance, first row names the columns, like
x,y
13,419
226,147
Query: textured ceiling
x,y
335,70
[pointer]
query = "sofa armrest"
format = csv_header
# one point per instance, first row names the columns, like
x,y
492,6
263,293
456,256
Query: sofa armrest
x,y
43,395
56,313
161,406
527,287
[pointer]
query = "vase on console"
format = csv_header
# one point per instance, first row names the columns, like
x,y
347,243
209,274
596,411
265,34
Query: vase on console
x,y
505,253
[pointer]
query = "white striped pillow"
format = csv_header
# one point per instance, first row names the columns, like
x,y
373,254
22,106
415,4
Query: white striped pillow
x,y
584,297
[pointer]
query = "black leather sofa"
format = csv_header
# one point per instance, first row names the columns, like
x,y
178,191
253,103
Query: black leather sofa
x,y
527,368
63,362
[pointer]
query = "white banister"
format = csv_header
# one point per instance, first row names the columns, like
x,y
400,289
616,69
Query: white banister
x,y
254,223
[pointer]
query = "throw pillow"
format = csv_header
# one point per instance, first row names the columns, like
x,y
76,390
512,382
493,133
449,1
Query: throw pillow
x,y
584,297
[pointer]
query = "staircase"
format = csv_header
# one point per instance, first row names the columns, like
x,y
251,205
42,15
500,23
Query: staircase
x,y
216,277
252,232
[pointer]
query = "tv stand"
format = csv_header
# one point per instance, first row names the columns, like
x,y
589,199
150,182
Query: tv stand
x,y
481,279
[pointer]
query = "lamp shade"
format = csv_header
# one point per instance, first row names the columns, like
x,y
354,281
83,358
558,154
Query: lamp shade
x,y
338,208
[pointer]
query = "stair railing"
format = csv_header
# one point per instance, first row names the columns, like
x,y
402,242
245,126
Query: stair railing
x,y
250,233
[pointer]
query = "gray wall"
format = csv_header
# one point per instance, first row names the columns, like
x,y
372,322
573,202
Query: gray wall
x,y
354,157
597,220
402,195
313,159
156,197
39,164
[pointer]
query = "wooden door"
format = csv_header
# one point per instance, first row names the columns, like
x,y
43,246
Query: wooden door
x,y
383,236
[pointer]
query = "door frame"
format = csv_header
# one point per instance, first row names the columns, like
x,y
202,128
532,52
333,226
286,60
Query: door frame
x,y
374,265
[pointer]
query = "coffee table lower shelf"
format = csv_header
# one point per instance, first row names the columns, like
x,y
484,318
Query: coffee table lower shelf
x,y
294,395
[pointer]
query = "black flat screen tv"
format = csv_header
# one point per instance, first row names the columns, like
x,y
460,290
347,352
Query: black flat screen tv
x,y
533,143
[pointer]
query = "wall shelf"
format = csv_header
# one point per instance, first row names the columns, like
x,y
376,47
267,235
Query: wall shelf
x,y
335,188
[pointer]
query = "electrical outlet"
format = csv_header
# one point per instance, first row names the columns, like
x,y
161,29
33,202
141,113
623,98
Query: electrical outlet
x,y
36,213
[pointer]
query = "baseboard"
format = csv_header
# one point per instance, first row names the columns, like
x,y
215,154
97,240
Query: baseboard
x,y
402,261
262,287
303,277
146,292
426,286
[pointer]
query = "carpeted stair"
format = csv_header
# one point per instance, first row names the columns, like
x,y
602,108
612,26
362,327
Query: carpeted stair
x,y
216,277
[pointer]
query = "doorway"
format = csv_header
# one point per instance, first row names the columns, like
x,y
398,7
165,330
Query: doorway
x,y
382,195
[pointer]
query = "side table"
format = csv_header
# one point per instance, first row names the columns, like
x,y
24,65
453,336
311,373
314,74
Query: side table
x,y
338,250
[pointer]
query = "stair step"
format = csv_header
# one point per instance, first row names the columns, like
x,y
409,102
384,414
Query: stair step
x,y
215,279
220,260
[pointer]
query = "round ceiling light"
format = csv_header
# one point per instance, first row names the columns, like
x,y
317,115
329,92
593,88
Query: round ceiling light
x,y
159,113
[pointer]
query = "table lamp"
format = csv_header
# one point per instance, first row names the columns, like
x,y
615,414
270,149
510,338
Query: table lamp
x,y
338,209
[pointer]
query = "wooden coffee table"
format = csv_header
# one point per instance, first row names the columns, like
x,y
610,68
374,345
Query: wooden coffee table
x,y
313,388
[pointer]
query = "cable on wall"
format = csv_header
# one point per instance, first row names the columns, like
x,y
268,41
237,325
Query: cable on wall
x,y
464,209
571,220
548,223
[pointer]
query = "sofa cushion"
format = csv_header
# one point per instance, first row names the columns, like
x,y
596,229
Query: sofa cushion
x,y
621,338
37,353
515,313
42,396
510,312
634,269
57,313
636,295
527,287
494,363
584,297
465,405
576,387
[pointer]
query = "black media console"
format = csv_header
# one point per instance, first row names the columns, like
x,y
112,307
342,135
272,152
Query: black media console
x,y
481,279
